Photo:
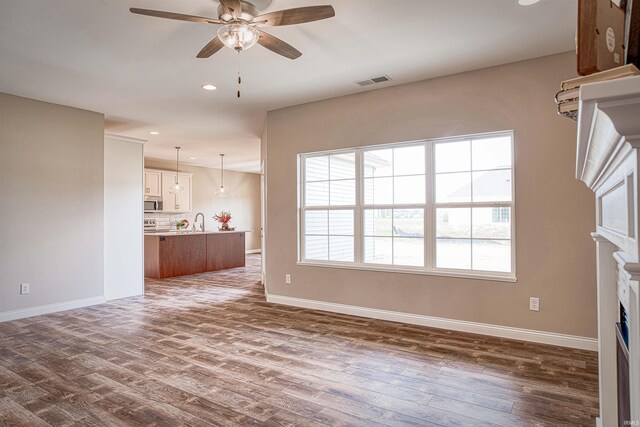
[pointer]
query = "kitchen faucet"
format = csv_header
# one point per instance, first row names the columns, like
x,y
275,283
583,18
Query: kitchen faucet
x,y
196,220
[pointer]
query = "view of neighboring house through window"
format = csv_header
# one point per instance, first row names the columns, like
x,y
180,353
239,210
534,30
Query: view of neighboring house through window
x,y
431,206
499,215
472,184
330,197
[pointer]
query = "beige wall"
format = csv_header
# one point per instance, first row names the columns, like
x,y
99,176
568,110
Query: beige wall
x,y
554,212
243,203
51,196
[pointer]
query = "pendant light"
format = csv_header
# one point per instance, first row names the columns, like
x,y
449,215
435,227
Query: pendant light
x,y
176,187
222,192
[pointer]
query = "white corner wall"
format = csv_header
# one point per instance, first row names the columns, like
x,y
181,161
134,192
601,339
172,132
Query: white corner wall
x,y
123,217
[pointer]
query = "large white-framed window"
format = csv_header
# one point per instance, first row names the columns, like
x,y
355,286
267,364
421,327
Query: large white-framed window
x,y
442,206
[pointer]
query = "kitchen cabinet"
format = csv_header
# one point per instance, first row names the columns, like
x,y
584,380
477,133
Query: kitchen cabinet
x,y
152,184
180,202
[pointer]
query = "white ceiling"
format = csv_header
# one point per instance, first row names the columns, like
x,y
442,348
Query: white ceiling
x,y
142,73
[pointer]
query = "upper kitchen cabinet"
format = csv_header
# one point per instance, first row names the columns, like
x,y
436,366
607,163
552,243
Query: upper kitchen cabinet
x,y
180,202
152,184
183,199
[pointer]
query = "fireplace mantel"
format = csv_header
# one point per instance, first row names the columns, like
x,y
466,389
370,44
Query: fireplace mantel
x,y
607,162
608,121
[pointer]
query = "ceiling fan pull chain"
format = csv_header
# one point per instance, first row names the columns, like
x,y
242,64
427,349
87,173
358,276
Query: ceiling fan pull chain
x,y
239,79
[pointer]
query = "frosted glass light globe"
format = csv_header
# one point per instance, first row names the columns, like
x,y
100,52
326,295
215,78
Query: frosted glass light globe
x,y
238,36
222,192
175,189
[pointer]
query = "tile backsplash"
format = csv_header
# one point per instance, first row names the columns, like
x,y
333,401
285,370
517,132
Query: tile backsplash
x,y
164,220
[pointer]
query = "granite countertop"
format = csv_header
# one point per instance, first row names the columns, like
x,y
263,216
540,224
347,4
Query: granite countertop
x,y
190,233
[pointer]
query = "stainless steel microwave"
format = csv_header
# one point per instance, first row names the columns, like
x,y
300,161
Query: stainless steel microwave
x,y
152,205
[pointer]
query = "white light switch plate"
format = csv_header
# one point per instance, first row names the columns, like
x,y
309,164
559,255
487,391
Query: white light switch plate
x,y
24,288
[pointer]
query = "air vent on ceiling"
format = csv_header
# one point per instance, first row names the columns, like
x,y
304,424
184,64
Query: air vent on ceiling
x,y
374,80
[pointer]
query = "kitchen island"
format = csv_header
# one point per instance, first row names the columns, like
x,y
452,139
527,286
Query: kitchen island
x,y
171,254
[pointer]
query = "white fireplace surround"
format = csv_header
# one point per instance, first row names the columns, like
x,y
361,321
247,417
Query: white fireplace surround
x,y
608,163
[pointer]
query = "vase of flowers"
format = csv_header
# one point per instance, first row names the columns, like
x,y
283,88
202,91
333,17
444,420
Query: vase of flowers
x,y
223,218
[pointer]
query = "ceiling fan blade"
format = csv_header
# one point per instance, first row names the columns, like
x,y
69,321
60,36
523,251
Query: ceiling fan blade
x,y
177,16
298,15
210,48
233,7
276,45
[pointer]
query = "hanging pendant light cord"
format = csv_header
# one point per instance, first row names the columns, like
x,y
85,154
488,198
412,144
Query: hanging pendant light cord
x,y
177,162
222,172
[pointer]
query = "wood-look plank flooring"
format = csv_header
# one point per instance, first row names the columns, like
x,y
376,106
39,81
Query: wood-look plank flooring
x,y
208,350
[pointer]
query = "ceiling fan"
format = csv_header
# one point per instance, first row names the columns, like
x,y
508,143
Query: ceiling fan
x,y
240,22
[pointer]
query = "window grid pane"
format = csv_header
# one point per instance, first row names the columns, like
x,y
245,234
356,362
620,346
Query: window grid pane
x,y
474,238
342,192
394,175
316,223
317,169
394,236
462,178
330,180
341,248
329,235
409,160
341,223
316,247
342,166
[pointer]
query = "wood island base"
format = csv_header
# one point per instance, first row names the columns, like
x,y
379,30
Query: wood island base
x,y
172,254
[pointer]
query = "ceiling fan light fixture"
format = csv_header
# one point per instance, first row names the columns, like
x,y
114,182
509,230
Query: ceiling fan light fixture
x,y
238,36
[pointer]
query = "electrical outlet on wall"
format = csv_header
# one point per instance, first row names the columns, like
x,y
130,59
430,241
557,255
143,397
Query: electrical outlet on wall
x,y
534,304
24,288
287,279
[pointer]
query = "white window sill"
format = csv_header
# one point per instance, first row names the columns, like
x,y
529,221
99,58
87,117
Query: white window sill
x,y
412,270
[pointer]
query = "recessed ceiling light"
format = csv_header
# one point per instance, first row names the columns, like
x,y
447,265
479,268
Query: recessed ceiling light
x,y
192,158
209,87
153,132
527,2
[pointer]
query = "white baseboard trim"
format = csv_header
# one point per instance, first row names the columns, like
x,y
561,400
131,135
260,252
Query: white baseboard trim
x,y
254,251
50,308
541,337
121,296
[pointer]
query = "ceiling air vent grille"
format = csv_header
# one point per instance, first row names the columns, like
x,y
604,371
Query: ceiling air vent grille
x,y
374,80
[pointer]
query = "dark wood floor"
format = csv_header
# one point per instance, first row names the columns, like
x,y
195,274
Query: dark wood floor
x,y
207,350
